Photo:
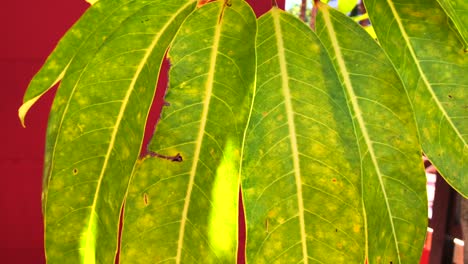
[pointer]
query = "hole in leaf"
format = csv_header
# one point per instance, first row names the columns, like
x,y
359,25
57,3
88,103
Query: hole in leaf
x,y
156,106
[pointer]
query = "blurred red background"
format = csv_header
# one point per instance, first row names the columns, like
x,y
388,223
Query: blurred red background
x,y
29,31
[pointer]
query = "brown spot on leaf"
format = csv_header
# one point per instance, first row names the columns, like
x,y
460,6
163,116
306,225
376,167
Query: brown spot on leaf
x,y
75,171
145,199
177,158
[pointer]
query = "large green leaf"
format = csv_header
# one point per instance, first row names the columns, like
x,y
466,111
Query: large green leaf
x,y
331,166
96,127
457,10
432,64
186,211
73,54
392,176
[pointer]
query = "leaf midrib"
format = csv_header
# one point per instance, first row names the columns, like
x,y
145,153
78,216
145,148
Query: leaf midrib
x,y
201,133
292,129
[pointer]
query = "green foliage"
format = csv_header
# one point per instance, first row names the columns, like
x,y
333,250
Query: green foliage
x,y
458,13
429,56
192,205
321,129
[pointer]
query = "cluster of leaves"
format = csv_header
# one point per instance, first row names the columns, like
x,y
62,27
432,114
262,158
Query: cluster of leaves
x,y
321,129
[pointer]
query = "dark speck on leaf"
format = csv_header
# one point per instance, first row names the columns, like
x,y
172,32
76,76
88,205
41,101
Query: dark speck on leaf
x,y
75,171
450,96
145,198
176,158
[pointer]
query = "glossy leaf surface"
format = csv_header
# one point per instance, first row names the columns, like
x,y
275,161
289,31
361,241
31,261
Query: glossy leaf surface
x,y
187,211
318,127
392,177
95,131
432,64
320,169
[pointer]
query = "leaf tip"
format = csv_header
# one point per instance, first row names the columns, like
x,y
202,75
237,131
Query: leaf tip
x,y
24,109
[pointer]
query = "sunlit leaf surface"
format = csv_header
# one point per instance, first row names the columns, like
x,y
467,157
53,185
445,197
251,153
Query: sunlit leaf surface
x,y
96,127
320,169
432,64
321,129
186,211
392,177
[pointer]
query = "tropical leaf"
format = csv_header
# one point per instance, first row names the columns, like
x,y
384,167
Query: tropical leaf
x,y
392,177
457,10
320,169
73,54
321,129
432,64
96,127
186,211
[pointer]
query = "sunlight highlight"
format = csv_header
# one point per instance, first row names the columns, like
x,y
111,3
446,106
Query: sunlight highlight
x,y
88,243
223,215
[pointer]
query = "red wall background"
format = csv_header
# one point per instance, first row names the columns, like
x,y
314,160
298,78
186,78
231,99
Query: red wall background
x,y
29,30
